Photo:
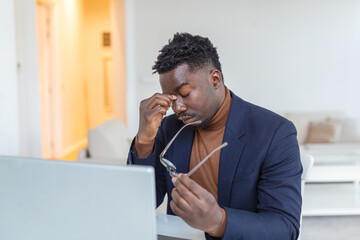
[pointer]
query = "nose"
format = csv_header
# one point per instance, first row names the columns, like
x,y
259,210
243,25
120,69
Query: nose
x,y
178,106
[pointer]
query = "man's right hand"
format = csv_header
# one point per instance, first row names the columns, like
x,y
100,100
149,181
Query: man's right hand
x,y
152,111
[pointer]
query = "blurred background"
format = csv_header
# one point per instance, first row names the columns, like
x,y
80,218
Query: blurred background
x,y
69,66
59,78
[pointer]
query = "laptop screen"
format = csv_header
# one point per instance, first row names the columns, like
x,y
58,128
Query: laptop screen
x,y
47,199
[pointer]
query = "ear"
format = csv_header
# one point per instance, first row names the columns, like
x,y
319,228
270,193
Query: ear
x,y
216,78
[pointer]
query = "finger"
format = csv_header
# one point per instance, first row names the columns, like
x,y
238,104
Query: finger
x,y
186,193
192,186
176,209
159,102
158,109
164,100
181,202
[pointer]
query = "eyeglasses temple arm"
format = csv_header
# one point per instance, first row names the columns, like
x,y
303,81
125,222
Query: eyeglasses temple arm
x,y
206,158
172,140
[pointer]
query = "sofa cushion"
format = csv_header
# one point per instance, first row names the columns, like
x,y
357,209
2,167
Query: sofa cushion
x,y
302,120
109,140
327,131
350,130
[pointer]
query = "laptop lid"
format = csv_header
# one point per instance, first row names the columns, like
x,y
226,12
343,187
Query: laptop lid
x,y
47,199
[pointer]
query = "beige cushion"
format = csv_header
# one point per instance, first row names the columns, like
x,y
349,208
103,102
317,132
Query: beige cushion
x,y
327,131
302,120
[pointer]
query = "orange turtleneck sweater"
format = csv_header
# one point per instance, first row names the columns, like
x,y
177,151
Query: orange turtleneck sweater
x,y
205,141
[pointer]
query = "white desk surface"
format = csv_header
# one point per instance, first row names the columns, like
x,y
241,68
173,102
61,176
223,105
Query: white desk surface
x,y
169,225
112,161
331,199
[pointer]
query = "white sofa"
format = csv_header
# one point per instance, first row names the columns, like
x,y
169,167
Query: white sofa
x,y
107,143
347,136
336,160
332,189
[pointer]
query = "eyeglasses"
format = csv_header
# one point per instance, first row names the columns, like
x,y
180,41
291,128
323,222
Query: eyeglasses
x,y
170,167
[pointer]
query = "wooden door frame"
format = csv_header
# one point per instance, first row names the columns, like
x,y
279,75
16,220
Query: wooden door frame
x,y
56,98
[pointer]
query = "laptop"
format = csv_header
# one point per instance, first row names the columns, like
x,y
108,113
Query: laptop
x,y
47,199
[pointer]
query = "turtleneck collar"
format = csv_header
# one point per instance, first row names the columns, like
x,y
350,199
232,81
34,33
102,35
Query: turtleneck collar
x,y
219,119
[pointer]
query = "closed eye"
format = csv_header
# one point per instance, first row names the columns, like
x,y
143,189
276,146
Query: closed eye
x,y
184,96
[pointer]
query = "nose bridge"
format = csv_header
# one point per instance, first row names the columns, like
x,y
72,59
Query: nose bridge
x,y
178,105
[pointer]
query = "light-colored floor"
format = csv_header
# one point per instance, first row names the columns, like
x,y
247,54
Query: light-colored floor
x,y
331,228
70,157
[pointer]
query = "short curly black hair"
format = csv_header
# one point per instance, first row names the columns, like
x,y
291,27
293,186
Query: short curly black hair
x,y
196,51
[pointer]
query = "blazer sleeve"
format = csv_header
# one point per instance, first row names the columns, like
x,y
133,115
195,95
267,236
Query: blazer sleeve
x,y
279,194
152,160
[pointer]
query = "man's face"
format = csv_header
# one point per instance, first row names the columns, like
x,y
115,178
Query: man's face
x,y
197,96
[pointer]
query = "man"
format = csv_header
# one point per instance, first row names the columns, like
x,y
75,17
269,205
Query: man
x,y
249,190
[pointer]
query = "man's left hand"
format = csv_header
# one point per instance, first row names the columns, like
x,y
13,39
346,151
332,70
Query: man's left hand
x,y
195,205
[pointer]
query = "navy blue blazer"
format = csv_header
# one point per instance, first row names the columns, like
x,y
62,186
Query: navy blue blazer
x,y
259,183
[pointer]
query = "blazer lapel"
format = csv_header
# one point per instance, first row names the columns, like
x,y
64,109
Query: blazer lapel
x,y
230,155
183,145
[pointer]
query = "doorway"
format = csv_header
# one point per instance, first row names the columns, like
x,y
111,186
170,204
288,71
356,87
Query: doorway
x,y
81,48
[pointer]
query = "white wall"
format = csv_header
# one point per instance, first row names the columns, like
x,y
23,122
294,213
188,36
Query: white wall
x,y
28,94
283,55
9,115
19,100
